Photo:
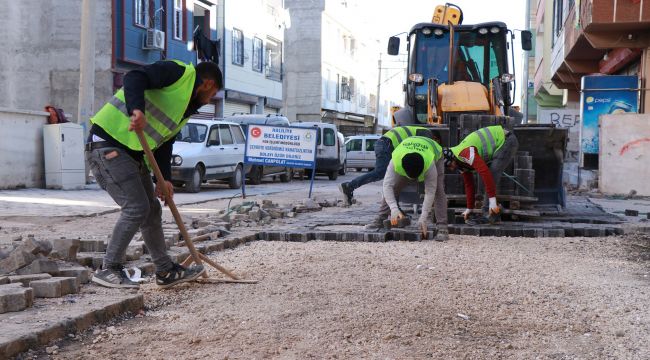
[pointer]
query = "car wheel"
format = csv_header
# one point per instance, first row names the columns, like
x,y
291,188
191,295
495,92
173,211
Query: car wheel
x,y
287,176
255,176
235,180
194,185
333,174
343,169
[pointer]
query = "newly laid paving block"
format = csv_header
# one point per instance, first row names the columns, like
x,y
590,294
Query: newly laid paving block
x,y
15,297
55,287
26,279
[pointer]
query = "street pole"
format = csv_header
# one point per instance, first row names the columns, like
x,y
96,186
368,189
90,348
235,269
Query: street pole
x,y
524,103
86,63
378,95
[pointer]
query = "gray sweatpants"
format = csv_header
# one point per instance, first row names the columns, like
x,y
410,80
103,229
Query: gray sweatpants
x,y
439,203
129,183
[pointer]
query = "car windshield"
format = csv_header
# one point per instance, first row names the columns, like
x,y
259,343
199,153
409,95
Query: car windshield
x,y
192,133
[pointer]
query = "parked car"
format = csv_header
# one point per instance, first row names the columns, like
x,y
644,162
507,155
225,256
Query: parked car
x,y
258,172
330,149
208,150
361,151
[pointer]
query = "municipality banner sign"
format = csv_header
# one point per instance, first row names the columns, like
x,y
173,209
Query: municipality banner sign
x,y
281,146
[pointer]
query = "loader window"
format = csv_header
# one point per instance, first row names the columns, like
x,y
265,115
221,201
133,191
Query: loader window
x,y
482,56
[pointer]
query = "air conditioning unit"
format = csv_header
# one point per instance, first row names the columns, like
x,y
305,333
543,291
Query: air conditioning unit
x,y
154,39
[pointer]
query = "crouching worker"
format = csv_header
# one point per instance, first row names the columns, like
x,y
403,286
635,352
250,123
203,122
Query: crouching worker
x,y
157,99
488,151
415,159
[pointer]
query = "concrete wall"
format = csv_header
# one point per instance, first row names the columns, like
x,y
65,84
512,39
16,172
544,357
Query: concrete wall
x,y
21,148
40,60
624,154
302,47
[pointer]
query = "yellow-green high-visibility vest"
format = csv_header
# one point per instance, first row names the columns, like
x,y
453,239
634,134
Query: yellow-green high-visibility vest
x,y
401,133
486,140
164,109
430,150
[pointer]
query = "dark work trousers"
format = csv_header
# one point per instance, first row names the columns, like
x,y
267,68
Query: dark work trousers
x,y
129,183
382,158
500,161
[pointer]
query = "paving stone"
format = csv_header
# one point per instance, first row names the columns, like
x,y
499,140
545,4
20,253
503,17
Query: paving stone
x,y
80,272
24,254
26,279
15,297
553,232
55,287
65,249
38,266
630,212
147,268
92,259
262,235
470,230
595,232
134,251
216,246
455,229
92,246
488,231
4,280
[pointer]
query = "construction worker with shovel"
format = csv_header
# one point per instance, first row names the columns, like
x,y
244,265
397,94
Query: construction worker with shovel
x,y
416,159
488,151
156,101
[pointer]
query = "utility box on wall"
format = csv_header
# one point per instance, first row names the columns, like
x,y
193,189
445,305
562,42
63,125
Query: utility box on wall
x,y
63,148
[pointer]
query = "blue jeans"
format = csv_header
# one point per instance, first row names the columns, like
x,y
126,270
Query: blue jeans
x,y
129,183
382,158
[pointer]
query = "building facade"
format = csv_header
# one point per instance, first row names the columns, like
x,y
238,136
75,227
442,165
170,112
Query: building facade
x,y
333,67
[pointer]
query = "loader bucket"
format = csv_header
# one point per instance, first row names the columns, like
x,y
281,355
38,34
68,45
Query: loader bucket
x,y
546,144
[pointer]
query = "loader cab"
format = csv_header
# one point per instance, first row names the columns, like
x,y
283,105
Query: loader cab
x,y
480,54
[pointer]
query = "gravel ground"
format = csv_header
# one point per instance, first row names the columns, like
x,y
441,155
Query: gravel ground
x,y
474,298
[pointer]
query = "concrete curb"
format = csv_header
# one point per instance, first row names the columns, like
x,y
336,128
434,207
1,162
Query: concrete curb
x,y
25,330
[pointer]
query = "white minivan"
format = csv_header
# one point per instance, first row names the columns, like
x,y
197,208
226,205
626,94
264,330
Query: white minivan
x,y
330,149
361,151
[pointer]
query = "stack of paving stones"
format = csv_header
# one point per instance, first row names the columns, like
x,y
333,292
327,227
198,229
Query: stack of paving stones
x,y
31,268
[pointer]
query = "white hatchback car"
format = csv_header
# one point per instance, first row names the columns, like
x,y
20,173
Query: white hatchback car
x,y
208,150
361,151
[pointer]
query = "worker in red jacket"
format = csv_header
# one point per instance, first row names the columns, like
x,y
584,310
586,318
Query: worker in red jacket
x,y
488,151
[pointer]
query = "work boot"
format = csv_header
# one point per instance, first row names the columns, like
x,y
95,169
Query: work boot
x,y
347,193
177,275
376,225
442,234
114,277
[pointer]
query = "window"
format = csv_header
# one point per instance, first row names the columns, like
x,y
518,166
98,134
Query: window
x,y
329,137
225,135
353,145
370,144
237,47
141,12
273,59
257,54
213,139
192,133
237,134
338,82
326,86
558,18
345,88
178,20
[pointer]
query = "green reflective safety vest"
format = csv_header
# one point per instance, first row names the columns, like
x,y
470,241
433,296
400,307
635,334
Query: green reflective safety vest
x,y
401,133
486,140
164,109
430,150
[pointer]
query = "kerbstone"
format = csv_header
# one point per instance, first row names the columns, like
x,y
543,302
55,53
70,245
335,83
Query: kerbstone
x,y
15,297
26,279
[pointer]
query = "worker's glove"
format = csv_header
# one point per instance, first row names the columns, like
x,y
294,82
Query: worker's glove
x,y
422,225
466,214
494,208
395,215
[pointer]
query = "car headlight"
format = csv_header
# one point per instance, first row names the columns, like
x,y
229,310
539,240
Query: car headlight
x,y
177,160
